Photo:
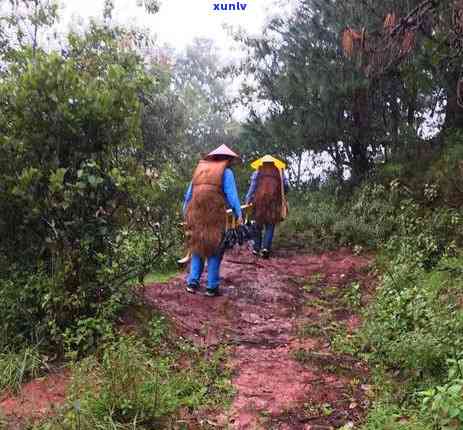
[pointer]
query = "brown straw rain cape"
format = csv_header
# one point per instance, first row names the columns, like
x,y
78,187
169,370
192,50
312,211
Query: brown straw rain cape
x,y
206,213
268,197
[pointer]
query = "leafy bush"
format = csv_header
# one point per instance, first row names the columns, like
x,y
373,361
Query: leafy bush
x,y
385,416
414,322
421,238
320,221
24,319
447,172
350,231
80,214
312,216
444,403
38,310
389,171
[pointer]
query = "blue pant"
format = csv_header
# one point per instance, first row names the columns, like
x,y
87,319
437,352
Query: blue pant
x,y
268,237
213,271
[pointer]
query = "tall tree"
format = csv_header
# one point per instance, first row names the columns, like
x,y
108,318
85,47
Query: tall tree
x,y
322,100
200,84
429,32
22,23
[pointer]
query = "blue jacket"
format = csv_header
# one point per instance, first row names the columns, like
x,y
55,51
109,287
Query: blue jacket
x,y
229,190
253,186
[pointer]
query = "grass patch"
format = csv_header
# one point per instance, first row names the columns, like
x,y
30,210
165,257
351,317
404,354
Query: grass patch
x,y
155,278
386,416
144,381
18,367
160,278
353,295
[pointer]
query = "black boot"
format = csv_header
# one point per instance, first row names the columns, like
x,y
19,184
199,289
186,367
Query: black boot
x,y
212,292
192,288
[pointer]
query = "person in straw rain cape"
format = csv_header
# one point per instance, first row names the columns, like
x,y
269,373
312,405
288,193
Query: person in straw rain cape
x,y
267,195
211,191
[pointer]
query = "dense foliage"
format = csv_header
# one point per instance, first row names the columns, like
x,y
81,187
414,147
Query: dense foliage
x,y
321,101
80,214
97,142
389,121
411,335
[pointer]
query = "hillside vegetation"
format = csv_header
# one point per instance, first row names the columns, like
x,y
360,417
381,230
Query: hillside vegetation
x,y
98,140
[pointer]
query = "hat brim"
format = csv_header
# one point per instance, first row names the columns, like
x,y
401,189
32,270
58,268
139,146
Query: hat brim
x,y
233,159
268,159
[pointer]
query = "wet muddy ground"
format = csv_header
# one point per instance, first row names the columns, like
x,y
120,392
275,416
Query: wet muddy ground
x,y
37,400
281,319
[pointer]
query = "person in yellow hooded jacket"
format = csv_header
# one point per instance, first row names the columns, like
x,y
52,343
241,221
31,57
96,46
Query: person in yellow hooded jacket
x,y
266,195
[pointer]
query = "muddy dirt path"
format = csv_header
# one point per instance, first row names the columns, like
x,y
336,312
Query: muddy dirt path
x,y
282,318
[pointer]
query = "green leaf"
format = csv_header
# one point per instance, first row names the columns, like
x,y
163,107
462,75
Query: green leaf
x,y
453,412
455,389
57,180
92,180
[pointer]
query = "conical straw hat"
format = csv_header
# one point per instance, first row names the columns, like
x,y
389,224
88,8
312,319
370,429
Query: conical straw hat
x,y
223,150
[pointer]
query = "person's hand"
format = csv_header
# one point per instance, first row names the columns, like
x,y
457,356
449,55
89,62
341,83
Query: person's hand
x,y
240,221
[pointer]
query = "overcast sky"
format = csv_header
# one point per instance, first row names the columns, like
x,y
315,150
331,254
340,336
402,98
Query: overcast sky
x,y
178,21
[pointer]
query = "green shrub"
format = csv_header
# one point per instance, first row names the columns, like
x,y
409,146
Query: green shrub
x,y
385,416
387,172
444,403
36,309
422,237
353,295
351,231
447,172
80,212
375,206
24,319
310,222
157,331
415,320
17,367
320,221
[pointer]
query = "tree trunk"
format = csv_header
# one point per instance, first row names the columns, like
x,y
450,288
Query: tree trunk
x,y
360,162
299,172
359,159
338,160
453,112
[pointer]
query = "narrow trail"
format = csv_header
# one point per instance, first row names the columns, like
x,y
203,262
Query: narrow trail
x,y
279,316
280,319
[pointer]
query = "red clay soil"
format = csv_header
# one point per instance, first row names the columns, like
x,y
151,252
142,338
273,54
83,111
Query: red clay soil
x,y
284,377
283,380
37,399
